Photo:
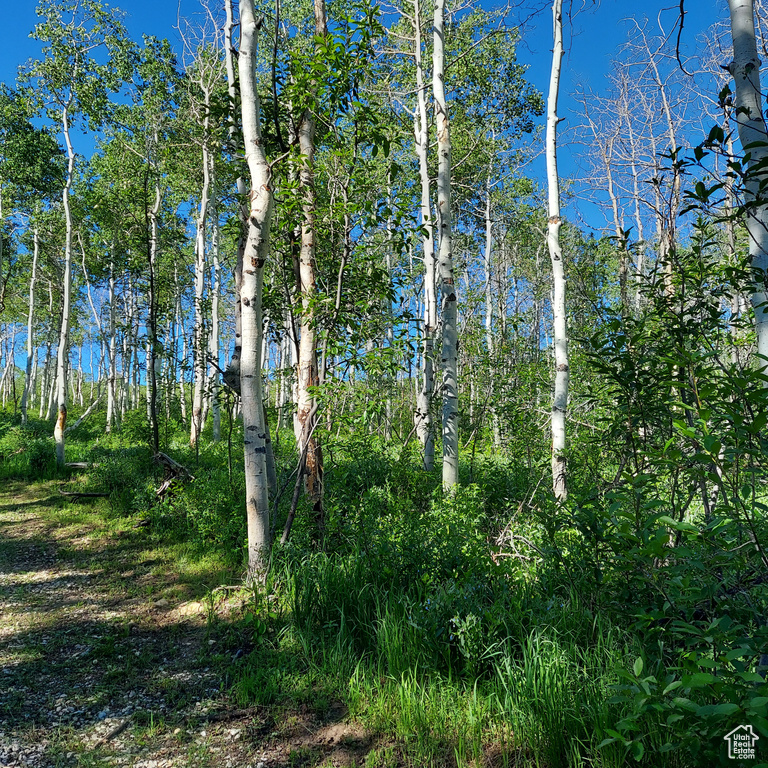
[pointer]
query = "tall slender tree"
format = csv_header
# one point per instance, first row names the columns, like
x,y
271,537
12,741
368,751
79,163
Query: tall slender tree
x,y
71,82
255,258
753,135
450,340
305,423
560,332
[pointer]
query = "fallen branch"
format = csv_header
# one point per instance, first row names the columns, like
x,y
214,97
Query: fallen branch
x,y
173,466
85,415
174,472
83,494
114,732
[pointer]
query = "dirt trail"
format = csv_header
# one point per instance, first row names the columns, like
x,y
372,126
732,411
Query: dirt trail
x,y
97,669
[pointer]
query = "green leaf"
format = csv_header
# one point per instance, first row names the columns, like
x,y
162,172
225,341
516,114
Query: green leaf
x,y
638,667
699,680
751,677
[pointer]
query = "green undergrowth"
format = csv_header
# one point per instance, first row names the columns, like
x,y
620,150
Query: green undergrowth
x,y
487,626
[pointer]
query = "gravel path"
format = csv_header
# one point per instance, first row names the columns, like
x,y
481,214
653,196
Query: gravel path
x,y
96,668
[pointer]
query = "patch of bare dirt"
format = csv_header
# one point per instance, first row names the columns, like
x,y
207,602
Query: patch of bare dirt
x,y
97,669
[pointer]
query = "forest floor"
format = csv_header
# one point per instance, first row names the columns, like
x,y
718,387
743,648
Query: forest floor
x,y
116,650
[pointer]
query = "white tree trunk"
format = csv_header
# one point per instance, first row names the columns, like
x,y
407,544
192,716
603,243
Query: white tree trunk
x,y
28,381
214,341
231,376
44,384
305,422
450,340
425,430
560,398
111,350
745,70
31,398
489,341
62,358
199,344
254,259
182,372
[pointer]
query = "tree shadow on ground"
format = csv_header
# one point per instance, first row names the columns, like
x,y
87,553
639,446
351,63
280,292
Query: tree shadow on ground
x,y
97,670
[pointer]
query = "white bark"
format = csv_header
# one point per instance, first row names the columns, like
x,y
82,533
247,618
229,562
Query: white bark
x,y
423,413
753,136
200,346
44,384
214,341
62,358
450,340
183,334
560,397
305,422
111,350
231,376
152,366
30,328
255,257
489,341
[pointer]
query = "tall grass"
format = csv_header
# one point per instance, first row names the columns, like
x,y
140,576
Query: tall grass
x,y
535,692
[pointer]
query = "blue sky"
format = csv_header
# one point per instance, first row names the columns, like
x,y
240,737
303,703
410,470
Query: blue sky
x,y
592,36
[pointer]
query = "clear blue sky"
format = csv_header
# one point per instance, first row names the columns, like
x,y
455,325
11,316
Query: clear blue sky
x,y
591,38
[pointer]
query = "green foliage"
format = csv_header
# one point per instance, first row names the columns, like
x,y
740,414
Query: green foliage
x,y
675,540
30,158
25,450
128,475
208,509
135,428
41,458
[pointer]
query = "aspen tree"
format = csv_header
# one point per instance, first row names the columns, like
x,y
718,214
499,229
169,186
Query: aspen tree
x,y
152,337
254,259
199,344
112,348
560,333
215,299
69,81
450,339
28,381
202,47
745,70
305,421
423,414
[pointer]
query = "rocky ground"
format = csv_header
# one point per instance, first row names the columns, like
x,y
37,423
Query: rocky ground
x,y
108,657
